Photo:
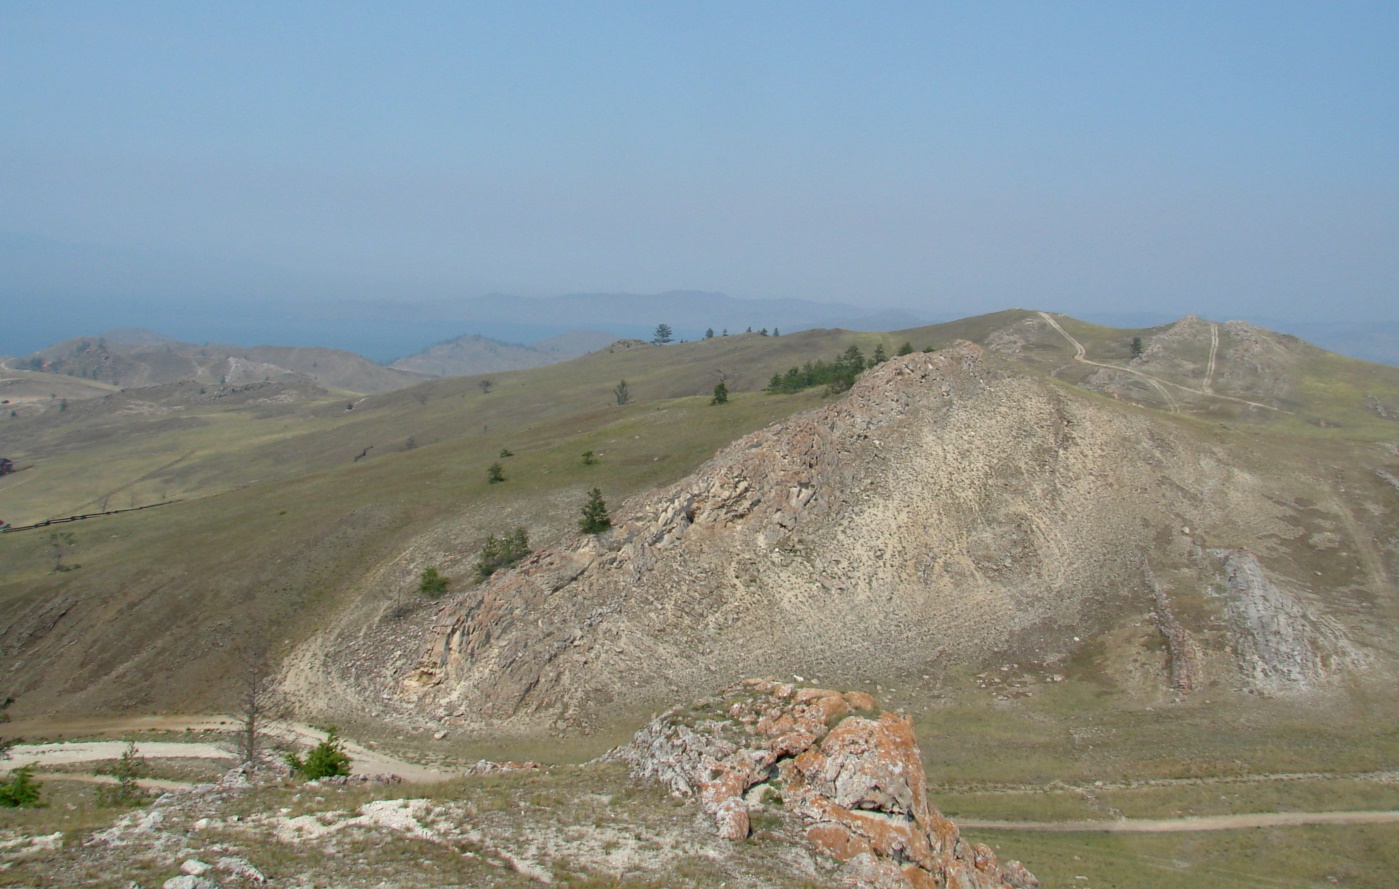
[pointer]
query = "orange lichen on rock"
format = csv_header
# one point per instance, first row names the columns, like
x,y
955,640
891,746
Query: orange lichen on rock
x,y
855,783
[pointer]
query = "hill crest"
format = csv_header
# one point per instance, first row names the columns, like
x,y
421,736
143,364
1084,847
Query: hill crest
x,y
946,511
138,359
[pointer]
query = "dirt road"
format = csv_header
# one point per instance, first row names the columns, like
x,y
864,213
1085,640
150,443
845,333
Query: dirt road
x,y
92,751
1185,825
363,761
1157,383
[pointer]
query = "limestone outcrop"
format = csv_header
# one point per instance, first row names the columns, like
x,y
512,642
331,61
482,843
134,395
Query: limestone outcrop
x,y
1281,643
948,509
848,778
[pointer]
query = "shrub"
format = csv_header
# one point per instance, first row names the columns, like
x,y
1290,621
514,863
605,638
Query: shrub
x,y
19,789
431,583
495,473
128,770
502,552
326,760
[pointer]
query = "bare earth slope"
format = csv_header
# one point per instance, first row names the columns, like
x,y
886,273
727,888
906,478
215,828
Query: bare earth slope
x,y
947,509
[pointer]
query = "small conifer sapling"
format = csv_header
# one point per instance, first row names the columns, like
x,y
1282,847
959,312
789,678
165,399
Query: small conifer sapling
x,y
595,519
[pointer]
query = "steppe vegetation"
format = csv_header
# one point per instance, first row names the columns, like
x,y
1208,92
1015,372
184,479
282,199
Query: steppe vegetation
x,y
272,520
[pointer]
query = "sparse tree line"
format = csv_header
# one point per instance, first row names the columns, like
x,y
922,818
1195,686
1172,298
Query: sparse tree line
x,y
510,548
837,375
664,334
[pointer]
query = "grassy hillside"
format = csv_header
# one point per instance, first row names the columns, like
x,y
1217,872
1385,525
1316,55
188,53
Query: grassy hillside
x,y
279,520
280,533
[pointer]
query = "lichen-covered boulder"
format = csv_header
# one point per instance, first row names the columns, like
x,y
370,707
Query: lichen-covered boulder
x,y
850,778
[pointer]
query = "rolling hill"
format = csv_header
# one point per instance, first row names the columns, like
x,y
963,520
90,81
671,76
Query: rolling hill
x,y
467,355
136,359
1070,553
1043,493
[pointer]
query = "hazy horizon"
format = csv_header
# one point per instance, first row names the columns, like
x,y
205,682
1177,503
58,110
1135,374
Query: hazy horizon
x,y
247,165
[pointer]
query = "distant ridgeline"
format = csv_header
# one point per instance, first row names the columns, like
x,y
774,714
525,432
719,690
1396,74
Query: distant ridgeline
x,y
836,376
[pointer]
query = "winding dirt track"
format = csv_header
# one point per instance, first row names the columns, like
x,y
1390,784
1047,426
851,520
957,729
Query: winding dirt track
x,y
366,761
363,761
1185,825
92,751
1081,356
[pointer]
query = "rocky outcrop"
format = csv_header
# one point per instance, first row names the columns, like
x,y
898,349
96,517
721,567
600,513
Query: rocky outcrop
x,y
849,779
1183,656
1281,644
946,510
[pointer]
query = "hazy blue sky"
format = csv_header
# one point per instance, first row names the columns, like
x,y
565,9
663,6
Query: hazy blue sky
x,y
1233,159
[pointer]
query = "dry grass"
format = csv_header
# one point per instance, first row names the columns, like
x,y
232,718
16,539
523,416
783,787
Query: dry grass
x,y
1273,858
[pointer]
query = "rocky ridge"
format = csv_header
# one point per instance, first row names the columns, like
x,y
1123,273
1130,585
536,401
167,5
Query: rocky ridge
x,y
945,510
851,778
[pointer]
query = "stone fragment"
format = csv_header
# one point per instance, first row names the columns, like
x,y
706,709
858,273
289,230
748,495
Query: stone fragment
x,y
731,819
243,869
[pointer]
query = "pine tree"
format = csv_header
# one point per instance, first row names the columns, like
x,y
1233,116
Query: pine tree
x,y
495,473
622,392
431,583
906,348
128,771
595,518
663,334
502,552
721,394
854,359
326,760
878,357
19,789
